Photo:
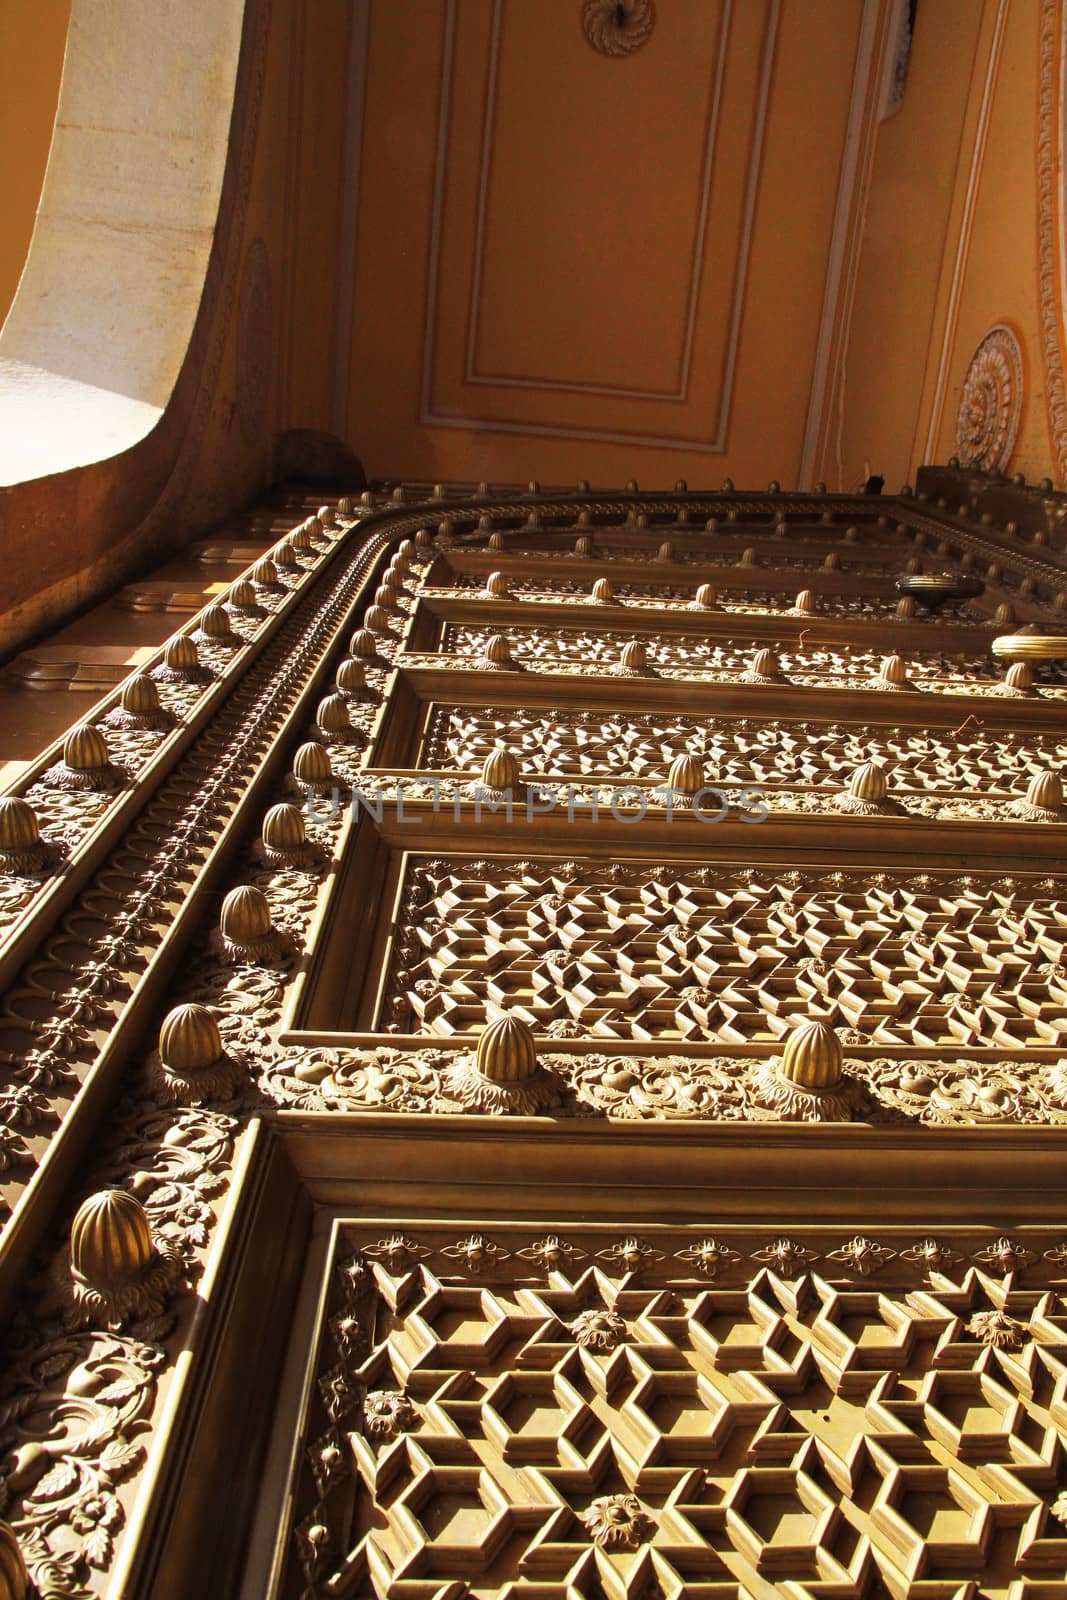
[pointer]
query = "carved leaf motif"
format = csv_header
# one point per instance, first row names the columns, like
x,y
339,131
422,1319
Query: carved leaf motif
x,y
97,1547
119,1457
57,1481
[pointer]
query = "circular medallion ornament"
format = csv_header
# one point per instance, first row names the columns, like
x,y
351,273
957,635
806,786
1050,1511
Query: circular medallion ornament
x,y
254,342
618,27
991,402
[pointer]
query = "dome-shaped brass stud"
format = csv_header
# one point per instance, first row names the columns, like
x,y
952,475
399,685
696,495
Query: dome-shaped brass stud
x,y
496,539
21,849
665,551
749,557
284,838
503,1075
913,565
851,535
905,607
406,551
377,619
764,668
496,586
583,519
686,775
482,491
423,540
583,546
712,525
264,575
242,596
312,768
533,521
774,487
386,597
245,927
633,659
681,516
500,770
139,706
315,529
363,644
1028,588
820,488
603,592
804,604
284,557
192,1064
215,627
868,789
680,486
533,487
994,573
351,677
110,1239
582,486
14,1576
812,1058
827,518
344,506
641,520
705,598
333,721
366,498
631,486
189,1040
326,516
1045,485
398,496
727,486
1018,680
497,653
181,660
119,1272
300,538
86,762
832,562
1044,799
893,673
781,527
506,1051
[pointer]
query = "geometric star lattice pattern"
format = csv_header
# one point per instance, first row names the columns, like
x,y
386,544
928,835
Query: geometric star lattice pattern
x,y
548,1422
820,664
742,750
730,954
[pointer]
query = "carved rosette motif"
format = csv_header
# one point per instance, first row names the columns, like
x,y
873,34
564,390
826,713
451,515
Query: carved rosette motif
x,y
618,27
991,402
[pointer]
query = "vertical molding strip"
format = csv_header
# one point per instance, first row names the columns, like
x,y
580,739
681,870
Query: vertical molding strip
x,y
963,244
440,169
843,257
358,51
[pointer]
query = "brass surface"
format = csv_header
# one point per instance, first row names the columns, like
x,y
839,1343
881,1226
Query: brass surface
x,y
529,1185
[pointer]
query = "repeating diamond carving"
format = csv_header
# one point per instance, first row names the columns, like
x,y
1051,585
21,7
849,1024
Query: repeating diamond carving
x,y
684,952
803,1437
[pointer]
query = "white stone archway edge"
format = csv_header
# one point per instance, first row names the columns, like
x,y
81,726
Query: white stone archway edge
x,y
96,336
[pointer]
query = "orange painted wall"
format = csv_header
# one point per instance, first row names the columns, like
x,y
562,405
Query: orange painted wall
x,y
936,271
33,36
564,354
